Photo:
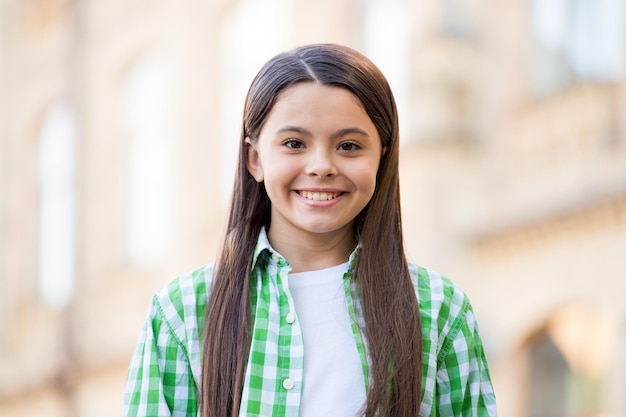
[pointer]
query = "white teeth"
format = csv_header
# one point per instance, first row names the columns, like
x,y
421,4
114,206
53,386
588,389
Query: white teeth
x,y
318,196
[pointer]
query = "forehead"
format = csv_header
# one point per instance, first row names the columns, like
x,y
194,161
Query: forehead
x,y
311,88
312,102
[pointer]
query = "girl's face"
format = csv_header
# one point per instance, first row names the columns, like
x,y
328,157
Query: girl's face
x,y
318,154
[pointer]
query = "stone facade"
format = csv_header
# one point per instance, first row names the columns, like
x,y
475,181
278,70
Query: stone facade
x,y
514,188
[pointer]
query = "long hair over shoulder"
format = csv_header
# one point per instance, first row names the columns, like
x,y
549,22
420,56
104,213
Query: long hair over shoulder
x,y
381,276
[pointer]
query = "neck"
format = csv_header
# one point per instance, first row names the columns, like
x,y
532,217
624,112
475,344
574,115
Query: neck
x,y
313,251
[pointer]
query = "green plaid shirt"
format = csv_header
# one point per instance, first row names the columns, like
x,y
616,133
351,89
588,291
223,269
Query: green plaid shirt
x,y
164,374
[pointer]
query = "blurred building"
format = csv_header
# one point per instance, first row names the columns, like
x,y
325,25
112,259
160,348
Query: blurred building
x,y
118,130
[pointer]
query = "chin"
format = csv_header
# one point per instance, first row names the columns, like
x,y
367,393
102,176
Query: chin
x,y
325,228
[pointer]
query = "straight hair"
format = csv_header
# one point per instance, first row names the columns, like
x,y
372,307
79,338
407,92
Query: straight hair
x,y
386,294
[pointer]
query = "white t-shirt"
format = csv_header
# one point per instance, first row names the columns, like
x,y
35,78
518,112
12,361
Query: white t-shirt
x,y
333,378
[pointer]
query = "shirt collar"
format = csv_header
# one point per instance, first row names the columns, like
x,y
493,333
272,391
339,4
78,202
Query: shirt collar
x,y
353,256
263,245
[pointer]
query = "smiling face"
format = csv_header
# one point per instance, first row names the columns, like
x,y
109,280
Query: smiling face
x,y
318,154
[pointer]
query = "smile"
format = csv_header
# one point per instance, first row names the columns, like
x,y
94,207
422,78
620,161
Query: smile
x,y
319,196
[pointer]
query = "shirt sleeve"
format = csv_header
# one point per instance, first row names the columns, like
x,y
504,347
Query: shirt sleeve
x,y
159,381
464,386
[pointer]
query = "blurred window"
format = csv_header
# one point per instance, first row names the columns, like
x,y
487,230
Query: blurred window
x,y
576,40
386,40
147,116
458,19
549,376
270,23
556,388
57,214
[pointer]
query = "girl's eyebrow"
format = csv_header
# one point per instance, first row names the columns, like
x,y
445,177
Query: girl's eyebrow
x,y
340,133
349,131
296,129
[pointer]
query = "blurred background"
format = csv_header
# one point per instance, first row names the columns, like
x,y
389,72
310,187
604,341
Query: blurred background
x,y
119,123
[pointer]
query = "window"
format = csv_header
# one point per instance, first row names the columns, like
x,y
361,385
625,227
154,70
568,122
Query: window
x,y
458,19
57,213
568,364
386,40
148,117
254,32
576,40
549,376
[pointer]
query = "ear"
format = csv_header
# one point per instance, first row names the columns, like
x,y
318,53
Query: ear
x,y
253,161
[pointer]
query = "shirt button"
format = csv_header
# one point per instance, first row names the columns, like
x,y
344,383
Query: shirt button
x,y
288,384
290,318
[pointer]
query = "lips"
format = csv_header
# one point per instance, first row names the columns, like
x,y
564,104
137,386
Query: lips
x,y
319,196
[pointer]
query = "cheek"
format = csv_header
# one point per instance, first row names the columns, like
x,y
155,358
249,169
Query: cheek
x,y
365,178
278,175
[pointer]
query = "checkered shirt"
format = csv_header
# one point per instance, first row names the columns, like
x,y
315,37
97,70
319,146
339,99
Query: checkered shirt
x,y
165,371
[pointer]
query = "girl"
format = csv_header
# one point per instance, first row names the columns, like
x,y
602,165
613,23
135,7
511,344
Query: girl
x,y
311,308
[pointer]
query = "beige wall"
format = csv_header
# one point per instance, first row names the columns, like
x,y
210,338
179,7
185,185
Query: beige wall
x,y
519,199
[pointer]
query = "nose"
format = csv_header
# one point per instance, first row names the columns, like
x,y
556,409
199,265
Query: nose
x,y
321,164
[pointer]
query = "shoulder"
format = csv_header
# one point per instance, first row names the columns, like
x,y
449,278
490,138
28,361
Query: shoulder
x,y
444,307
437,291
456,378
182,303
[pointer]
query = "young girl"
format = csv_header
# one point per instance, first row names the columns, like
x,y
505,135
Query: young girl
x,y
311,308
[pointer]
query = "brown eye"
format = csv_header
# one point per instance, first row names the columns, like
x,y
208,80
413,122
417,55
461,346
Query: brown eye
x,y
349,146
293,144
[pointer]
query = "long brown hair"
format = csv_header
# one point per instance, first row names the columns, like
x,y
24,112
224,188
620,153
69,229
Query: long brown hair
x,y
381,276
